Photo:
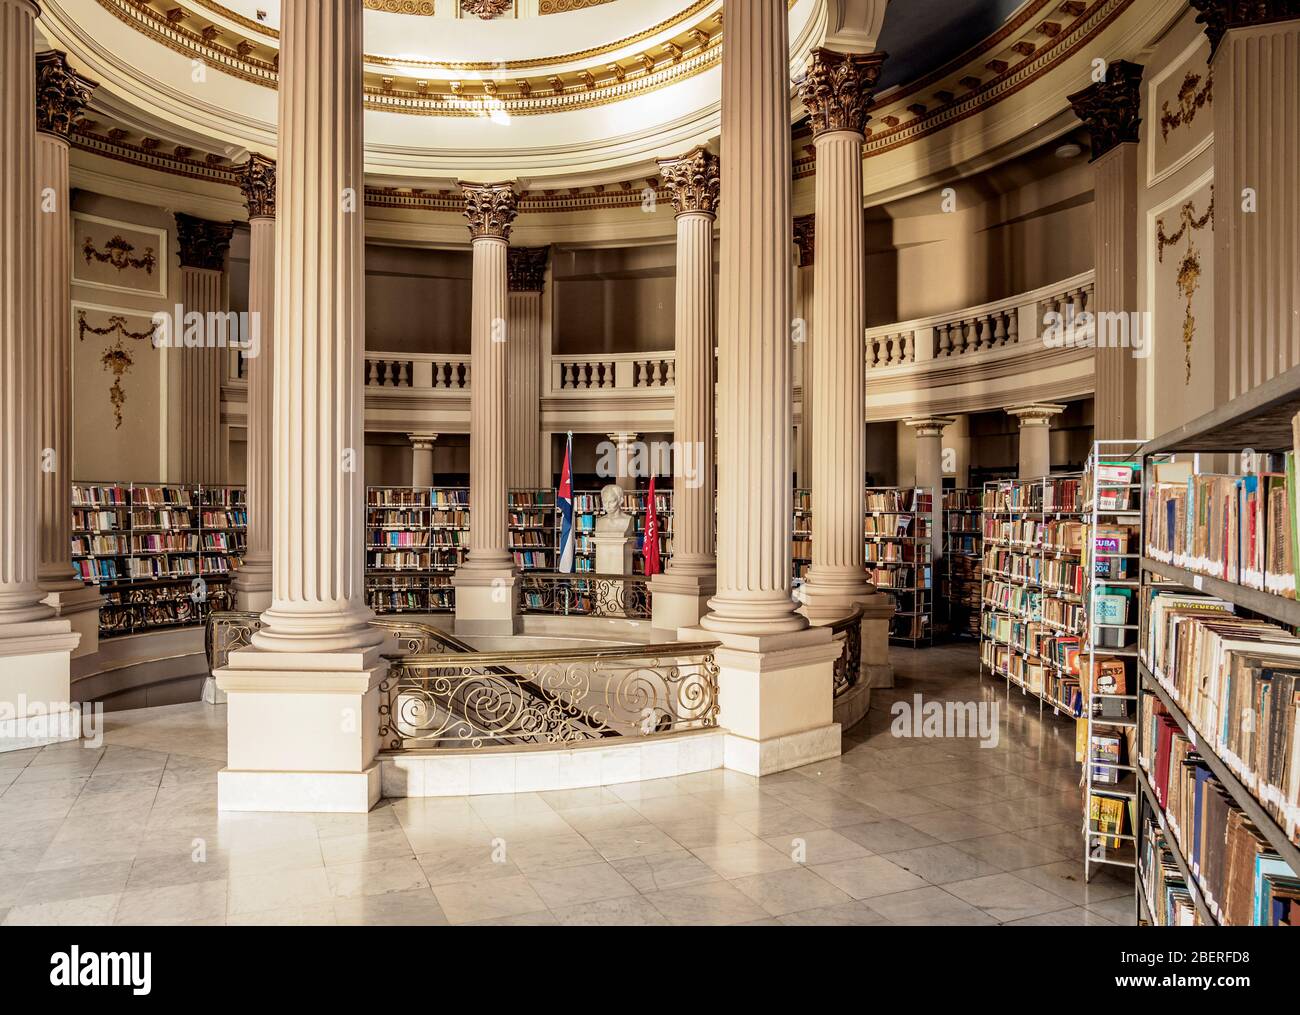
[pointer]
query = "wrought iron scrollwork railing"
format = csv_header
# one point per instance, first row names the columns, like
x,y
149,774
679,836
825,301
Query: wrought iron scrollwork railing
x,y
493,699
226,631
848,666
586,595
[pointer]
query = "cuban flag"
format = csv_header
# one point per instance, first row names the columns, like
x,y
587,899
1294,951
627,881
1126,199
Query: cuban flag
x,y
564,498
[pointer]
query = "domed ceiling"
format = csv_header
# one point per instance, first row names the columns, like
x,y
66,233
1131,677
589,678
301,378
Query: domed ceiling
x,y
549,92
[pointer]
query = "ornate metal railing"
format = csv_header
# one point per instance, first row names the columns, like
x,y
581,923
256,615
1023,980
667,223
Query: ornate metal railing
x,y
494,699
226,631
848,666
586,595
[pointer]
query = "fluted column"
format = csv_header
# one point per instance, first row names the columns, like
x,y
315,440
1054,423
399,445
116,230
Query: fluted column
x,y
526,271
253,581
928,431
486,582
422,458
1255,59
1035,420
837,91
1112,110
754,295
304,700
774,682
203,247
61,95
805,239
35,646
680,594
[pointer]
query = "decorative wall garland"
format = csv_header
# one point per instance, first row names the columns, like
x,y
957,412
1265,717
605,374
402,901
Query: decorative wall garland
x,y
117,252
1190,101
1189,268
117,359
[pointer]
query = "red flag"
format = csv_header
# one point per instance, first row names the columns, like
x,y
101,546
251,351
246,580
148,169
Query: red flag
x,y
650,545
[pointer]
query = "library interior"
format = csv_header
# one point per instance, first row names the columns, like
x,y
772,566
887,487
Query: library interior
x,y
649,462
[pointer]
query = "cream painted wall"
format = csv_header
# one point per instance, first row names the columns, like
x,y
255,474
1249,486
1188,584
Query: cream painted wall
x,y
1177,166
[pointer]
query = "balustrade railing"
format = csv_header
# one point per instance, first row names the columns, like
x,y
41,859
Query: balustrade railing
x,y
417,372
586,595
848,667
557,697
621,372
986,328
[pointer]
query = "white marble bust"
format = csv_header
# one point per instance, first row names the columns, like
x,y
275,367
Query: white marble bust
x,y
615,521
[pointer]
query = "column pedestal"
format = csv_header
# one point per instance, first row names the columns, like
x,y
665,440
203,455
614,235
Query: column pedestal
x,y
614,553
304,731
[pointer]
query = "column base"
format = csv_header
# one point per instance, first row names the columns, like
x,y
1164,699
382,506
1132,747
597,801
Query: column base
x,y
212,694
253,587
680,600
776,694
300,792
79,605
303,730
487,603
35,682
823,609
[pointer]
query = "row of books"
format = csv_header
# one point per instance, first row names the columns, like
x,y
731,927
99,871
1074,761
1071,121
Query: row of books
x,y
895,524
416,497
415,560
907,577
899,501
1240,529
1241,877
1169,896
1235,678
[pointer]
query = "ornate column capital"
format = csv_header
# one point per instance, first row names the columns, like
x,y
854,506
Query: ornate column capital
x,y
837,89
61,93
257,181
526,269
422,441
805,238
623,438
491,209
1111,109
1218,16
203,243
931,426
694,181
1035,413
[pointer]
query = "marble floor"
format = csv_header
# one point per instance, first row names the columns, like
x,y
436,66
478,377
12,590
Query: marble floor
x,y
901,831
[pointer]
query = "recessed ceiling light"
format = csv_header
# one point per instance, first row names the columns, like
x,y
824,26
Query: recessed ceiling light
x,y
1069,150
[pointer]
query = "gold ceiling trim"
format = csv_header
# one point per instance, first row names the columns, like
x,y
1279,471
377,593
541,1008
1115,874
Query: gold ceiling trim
x,y
565,6
481,65
579,89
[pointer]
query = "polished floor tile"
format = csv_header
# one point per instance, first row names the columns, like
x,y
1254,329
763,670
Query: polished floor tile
x,y
895,830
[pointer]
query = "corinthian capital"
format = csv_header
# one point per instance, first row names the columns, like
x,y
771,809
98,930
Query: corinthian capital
x,y
838,88
1217,17
693,181
1111,108
490,208
257,181
526,269
61,93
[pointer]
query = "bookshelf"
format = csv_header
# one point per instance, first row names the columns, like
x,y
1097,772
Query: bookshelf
x,y
963,540
1031,602
162,555
899,557
634,503
801,534
532,530
416,537
1218,811
1107,734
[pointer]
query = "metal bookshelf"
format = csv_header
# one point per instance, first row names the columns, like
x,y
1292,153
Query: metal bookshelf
x,y
1261,420
900,554
1030,639
1112,549
963,550
416,537
801,534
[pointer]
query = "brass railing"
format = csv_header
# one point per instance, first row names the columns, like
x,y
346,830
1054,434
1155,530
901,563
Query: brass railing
x,y
224,632
493,699
848,666
586,595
